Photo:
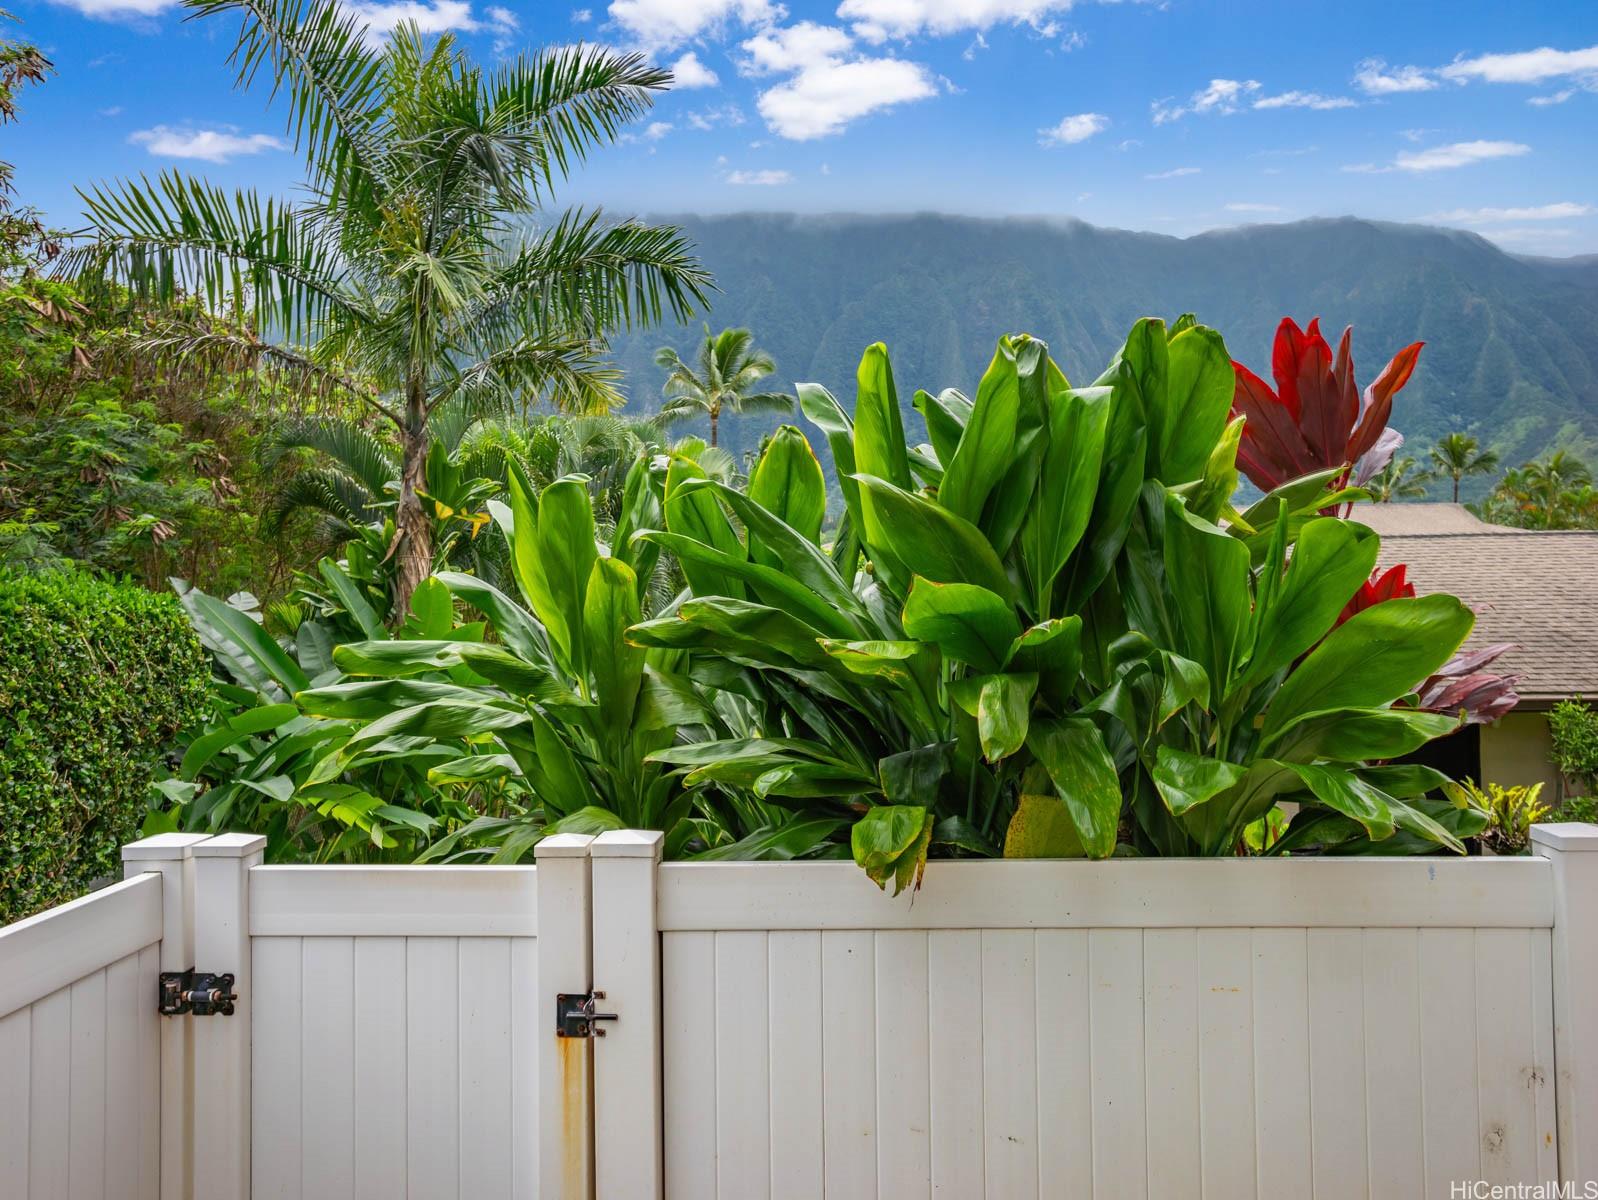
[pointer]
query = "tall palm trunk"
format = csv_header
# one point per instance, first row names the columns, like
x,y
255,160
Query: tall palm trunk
x,y
413,533
1456,489
715,415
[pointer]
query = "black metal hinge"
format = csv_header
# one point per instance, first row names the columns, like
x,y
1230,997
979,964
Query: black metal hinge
x,y
197,993
575,1015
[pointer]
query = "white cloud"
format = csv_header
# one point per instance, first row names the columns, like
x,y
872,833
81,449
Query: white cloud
x,y
1558,97
879,20
1562,211
114,111
1175,173
795,47
1415,135
115,9
830,85
210,145
1531,235
1527,66
1443,158
661,24
1246,207
824,98
1128,144
581,16
1375,78
430,16
504,25
1305,100
977,43
1222,96
1457,154
689,72
705,119
760,178
1077,128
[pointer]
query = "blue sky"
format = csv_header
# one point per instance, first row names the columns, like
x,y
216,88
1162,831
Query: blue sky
x,y
1174,117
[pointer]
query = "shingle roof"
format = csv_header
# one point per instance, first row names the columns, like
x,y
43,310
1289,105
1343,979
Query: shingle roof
x,y
1537,589
1393,519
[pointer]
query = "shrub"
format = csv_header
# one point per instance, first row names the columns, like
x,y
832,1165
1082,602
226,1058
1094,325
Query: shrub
x,y
1510,812
95,677
1574,728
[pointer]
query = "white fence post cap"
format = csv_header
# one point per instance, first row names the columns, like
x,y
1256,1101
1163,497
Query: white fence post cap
x,y
229,845
162,847
563,845
628,843
1566,836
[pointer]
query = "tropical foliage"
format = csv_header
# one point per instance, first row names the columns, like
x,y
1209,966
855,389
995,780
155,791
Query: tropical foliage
x,y
1459,455
411,276
1573,725
1555,492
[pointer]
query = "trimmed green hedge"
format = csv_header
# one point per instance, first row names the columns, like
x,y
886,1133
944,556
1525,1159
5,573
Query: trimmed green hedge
x,y
95,678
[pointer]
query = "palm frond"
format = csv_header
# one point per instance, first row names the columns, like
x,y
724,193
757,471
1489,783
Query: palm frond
x,y
340,499
765,402
364,456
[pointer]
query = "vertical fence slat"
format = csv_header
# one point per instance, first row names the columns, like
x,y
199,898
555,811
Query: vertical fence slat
x,y
1009,1062
150,1035
743,1075
1448,1057
327,1084
381,1113
525,1029
904,1156
1394,1118
849,1062
1281,1055
1115,989
1337,1063
793,1035
87,1168
16,1045
954,1030
485,1067
1065,1064
277,1119
1171,1061
1541,982
1505,1055
49,1084
126,1002
432,1066
1226,1061
688,981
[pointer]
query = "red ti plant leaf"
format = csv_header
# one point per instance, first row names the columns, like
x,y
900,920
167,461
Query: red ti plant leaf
x,y
1316,419
1391,584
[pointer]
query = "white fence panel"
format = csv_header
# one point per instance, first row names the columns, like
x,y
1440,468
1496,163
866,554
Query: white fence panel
x,y
1318,1028
80,1048
396,1032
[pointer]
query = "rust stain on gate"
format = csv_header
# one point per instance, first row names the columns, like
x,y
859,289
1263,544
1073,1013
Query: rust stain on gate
x,y
576,1115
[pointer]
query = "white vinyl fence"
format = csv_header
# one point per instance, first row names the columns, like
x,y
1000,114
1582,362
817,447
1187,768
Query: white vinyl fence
x,y
1232,1028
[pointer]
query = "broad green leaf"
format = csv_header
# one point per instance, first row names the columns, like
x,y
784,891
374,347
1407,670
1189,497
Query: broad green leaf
x,y
1404,780
473,768
350,597
988,439
1198,400
1041,827
1372,659
823,411
898,662
1346,793
891,842
968,623
695,516
640,509
587,819
616,667
756,626
946,415
787,482
794,839
930,541
1363,734
1038,379
513,623
432,609
1121,479
263,718
961,834
1072,750
914,776
1211,495
1330,560
879,441
1052,650
313,645
1207,572
1185,779
1003,709
252,641
566,555
1072,458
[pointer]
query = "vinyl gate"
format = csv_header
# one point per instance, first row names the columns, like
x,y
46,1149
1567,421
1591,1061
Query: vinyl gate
x,y
1328,1028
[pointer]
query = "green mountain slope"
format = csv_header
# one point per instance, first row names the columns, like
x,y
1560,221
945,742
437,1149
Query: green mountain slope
x,y
1512,343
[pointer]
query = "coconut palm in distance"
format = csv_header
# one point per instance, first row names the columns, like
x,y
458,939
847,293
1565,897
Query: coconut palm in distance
x,y
419,269
729,367
1457,455
1398,480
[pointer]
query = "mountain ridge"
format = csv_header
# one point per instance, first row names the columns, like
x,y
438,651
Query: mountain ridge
x,y
1512,341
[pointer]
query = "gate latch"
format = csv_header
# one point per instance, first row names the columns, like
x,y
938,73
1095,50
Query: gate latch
x,y
199,993
575,1016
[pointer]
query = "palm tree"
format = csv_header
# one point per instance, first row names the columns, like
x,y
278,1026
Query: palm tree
x,y
415,273
1398,480
730,366
1457,455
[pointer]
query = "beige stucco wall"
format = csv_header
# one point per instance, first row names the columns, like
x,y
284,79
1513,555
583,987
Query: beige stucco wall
x,y
1516,751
